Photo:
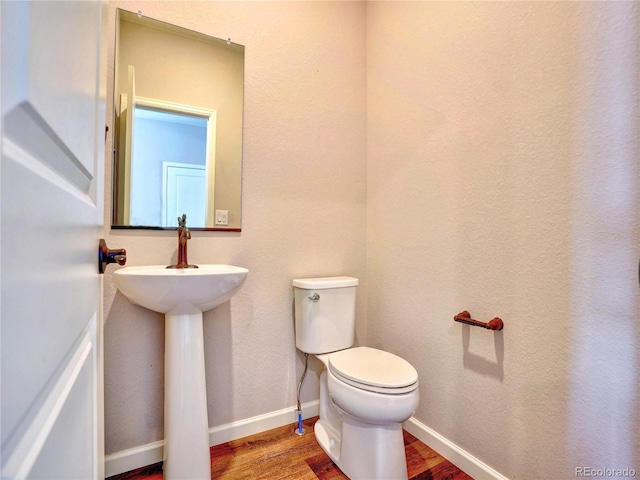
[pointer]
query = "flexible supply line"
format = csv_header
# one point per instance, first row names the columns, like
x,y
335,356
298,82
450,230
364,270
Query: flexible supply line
x,y
300,430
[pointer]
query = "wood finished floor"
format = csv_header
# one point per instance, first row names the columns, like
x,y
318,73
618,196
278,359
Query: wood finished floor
x,y
279,454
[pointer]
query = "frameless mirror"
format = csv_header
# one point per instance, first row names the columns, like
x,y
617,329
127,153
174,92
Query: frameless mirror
x,y
178,101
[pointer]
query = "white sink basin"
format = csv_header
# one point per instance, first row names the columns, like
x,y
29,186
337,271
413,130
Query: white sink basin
x,y
180,290
182,295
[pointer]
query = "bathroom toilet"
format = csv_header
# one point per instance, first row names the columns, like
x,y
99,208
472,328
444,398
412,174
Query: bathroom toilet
x,y
365,393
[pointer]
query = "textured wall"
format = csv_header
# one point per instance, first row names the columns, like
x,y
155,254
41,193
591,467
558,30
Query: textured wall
x,y
503,179
494,160
304,200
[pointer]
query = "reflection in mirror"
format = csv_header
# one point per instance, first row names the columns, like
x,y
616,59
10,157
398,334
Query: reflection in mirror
x,y
173,153
178,142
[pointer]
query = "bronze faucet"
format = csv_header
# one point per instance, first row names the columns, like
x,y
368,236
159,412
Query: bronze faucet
x,y
184,234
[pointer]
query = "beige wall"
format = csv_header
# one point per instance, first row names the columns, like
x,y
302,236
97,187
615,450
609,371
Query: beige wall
x,y
483,156
503,179
304,199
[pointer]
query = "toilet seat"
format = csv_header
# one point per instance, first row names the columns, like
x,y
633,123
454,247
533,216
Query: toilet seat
x,y
373,370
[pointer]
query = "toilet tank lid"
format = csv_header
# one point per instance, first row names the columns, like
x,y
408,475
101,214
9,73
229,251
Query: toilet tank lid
x,y
325,282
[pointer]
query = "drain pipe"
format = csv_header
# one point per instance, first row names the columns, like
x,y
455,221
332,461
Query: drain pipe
x,y
300,430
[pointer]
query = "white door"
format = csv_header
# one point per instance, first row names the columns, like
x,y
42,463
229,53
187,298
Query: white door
x,y
184,190
51,178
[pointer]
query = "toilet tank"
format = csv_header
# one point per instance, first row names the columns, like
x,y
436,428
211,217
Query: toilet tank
x,y
325,311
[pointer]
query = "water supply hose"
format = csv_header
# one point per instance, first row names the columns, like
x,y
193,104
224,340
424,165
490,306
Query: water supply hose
x,y
300,430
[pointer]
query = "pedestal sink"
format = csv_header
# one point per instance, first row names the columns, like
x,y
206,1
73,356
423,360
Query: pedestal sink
x,y
182,295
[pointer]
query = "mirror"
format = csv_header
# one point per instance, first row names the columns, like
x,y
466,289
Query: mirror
x,y
178,103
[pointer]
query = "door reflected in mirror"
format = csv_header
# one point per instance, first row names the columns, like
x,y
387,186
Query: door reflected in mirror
x,y
178,143
170,161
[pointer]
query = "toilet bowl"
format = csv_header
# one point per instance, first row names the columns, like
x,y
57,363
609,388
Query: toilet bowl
x,y
365,393
360,425
372,385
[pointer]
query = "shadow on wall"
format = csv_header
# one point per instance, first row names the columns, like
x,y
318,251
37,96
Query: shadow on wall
x,y
490,367
219,365
134,375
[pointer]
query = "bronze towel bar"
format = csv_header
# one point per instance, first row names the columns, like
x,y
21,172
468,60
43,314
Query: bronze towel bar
x,y
465,317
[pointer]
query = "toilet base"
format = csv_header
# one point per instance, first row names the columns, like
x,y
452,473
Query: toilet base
x,y
364,451
328,440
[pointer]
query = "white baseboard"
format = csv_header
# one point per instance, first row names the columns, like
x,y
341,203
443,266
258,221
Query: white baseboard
x,y
452,452
151,453
133,458
261,423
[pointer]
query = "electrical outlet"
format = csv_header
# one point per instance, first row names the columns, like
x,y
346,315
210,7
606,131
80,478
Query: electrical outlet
x,y
222,217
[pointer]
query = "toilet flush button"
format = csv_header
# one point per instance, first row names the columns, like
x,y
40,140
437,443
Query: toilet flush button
x,y
332,442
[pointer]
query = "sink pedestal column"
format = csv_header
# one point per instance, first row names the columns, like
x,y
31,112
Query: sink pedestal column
x,y
186,423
